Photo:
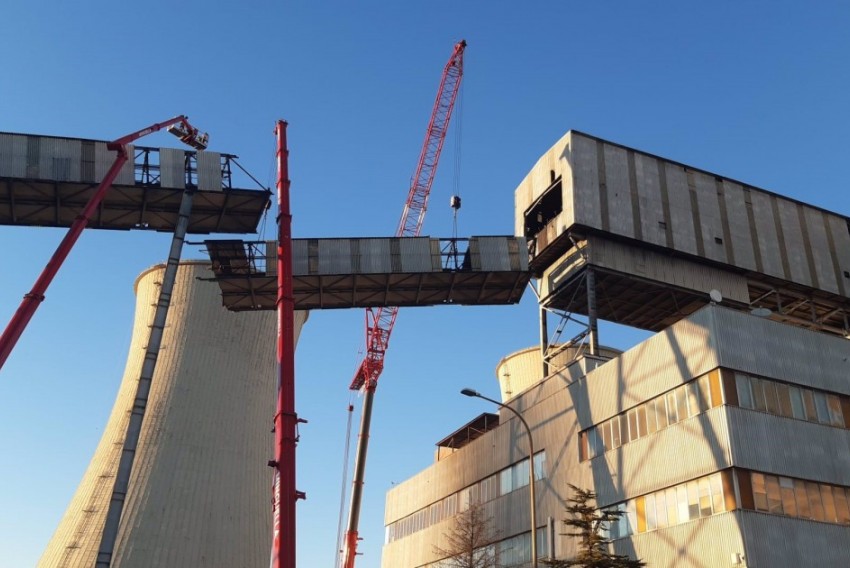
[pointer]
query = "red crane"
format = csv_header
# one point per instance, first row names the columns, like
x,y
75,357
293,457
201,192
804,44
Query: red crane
x,y
180,127
380,322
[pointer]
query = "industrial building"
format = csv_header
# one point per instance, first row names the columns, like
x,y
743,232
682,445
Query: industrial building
x,y
199,491
724,438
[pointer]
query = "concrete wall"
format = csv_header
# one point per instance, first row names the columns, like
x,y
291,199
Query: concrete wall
x,y
200,490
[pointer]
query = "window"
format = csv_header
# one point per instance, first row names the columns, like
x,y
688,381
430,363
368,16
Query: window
x,y
797,409
784,396
821,407
836,415
745,396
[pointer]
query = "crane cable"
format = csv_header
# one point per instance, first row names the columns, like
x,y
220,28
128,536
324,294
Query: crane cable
x,y
343,491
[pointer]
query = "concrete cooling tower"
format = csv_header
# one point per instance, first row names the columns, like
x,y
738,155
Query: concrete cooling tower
x,y
200,491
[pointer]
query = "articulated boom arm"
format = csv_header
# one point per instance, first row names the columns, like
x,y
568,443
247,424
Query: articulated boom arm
x,y
380,322
33,299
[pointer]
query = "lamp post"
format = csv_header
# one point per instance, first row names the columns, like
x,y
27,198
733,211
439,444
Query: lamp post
x,y
476,394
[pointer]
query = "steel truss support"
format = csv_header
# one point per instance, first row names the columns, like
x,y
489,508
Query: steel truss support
x,y
137,415
585,330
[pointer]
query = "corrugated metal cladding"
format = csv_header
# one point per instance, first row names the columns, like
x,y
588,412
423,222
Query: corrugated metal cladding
x,y
794,448
103,160
59,159
707,543
209,171
782,542
497,254
764,347
13,155
199,493
631,194
172,168
664,268
624,472
669,358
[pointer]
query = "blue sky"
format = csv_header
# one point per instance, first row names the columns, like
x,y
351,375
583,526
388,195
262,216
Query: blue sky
x,y
756,91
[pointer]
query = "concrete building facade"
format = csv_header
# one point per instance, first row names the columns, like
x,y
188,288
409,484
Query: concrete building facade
x,y
724,438
200,491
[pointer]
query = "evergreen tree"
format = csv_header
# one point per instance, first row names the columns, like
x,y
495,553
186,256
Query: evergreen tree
x,y
587,523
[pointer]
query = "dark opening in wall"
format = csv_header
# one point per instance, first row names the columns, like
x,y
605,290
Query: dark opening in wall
x,y
546,208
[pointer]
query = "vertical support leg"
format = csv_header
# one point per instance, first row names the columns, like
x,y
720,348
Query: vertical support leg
x,y
137,415
351,533
592,322
544,340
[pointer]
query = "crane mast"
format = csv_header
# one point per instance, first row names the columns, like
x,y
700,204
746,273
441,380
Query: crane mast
x,y
380,321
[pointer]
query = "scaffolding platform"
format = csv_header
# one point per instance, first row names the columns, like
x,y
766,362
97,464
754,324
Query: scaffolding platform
x,y
373,272
46,181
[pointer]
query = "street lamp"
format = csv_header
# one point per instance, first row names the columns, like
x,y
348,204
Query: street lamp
x,y
476,394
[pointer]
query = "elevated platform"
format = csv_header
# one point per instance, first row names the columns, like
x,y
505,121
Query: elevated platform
x,y
373,272
46,181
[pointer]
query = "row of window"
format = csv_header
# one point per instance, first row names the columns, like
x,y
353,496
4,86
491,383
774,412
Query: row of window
x,y
697,396
687,400
798,498
790,401
508,553
672,506
501,483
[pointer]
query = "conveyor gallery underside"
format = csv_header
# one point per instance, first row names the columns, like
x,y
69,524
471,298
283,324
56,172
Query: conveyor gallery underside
x,y
374,272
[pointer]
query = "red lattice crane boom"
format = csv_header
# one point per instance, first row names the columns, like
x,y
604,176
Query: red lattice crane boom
x,y
380,322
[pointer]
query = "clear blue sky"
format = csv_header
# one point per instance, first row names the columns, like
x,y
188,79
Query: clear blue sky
x,y
753,90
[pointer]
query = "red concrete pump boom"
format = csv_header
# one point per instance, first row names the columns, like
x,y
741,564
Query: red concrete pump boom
x,y
180,127
380,322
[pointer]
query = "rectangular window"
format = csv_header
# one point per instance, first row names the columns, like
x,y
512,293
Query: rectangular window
x,y
651,423
704,387
836,416
672,507
682,399
630,518
671,408
694,406
797,408
821,407
842,509
704,497
661,412
809,403
606,436
649,512
539,466
786,491
829,513
802,499
745,393
815,503
682,499
615,431
759,492
758,395
633,424
770,400
624,428
520,473
784,396
641,420
505,482
661,509
774,497
717,493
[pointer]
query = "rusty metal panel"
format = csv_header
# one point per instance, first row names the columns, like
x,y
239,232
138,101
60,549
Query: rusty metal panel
x,y
618,190
681,213
794,249
172,168
209,171
585,195
13,155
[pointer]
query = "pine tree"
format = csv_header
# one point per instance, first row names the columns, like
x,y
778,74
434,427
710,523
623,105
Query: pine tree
x,y
587,523
469,542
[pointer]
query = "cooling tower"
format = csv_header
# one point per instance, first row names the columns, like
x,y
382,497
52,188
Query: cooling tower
x,y
200,492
